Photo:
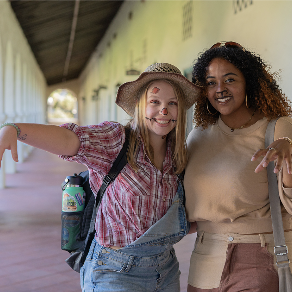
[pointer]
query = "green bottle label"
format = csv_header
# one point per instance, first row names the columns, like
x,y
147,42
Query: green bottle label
x,y
73,199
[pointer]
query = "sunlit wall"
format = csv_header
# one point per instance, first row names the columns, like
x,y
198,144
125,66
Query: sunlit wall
x,y
144,32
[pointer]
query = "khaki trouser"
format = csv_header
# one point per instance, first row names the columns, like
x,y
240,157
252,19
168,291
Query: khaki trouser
x,y
234,262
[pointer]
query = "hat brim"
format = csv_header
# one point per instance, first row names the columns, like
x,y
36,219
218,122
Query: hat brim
x,y
128,92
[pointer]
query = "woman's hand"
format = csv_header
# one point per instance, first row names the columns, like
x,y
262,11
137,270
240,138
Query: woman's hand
x,y
279,151
8,140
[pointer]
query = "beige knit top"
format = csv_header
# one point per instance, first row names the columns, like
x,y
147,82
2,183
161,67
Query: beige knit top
x,y
223,193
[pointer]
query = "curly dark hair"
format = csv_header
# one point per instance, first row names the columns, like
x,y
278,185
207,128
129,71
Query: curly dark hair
x,y
263,92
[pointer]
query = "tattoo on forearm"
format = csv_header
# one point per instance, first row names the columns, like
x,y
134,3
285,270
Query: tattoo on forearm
x,y
22,137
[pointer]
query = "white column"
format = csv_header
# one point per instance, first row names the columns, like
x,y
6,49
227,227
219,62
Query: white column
x,y
2,116
25,104
19,103
9,100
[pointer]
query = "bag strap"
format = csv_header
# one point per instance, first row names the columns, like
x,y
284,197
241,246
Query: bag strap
x,y
116,168
280,248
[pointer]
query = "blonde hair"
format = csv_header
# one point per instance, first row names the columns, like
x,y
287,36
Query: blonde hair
x,y
140,130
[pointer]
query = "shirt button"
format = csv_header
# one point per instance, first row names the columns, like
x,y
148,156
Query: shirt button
x,y
230,238
100,263
104,251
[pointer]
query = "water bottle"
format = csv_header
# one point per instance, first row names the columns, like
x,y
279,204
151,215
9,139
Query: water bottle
x,y
73,201
73,194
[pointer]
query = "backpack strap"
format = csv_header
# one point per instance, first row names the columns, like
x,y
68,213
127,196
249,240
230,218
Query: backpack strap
x,y
116,168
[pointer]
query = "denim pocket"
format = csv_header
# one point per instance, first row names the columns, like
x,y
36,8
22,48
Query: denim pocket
x,y
108,262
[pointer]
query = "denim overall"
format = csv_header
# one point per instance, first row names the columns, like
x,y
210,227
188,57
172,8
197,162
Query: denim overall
x,y
147,264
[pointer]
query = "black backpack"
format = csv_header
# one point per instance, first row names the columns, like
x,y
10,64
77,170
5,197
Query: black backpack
x,y
87,223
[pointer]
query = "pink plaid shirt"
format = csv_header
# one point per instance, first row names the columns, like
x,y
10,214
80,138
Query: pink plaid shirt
x,y
135,200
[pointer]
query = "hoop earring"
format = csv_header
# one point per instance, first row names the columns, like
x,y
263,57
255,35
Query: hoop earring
x,y
213,114
246,101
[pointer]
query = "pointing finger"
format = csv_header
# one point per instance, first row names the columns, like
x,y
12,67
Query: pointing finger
x,y
14,153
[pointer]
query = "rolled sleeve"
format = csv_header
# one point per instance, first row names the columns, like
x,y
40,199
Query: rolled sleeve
x,y
287,192
99,145
83,138
284,129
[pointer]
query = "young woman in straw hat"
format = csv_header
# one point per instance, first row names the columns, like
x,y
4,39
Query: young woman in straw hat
x,y
141,215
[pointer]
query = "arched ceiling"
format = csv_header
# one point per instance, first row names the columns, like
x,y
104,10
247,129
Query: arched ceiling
x,y
63,34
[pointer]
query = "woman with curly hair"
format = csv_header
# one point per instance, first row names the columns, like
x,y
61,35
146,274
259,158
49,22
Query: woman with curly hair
x,y
226,187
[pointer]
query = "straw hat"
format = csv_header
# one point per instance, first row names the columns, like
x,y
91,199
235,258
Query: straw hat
x,y
128,92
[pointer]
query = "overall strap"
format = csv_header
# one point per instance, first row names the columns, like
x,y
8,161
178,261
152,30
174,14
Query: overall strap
x,y
280,248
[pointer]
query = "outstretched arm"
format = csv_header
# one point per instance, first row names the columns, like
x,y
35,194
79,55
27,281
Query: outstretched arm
x,y
50,138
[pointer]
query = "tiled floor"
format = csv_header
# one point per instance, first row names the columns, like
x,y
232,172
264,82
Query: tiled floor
x,y
31,259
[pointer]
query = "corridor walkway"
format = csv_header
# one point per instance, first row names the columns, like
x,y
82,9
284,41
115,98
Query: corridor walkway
x,y
30,206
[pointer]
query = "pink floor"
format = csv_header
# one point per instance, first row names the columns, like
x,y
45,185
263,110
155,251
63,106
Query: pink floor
x,y
31,259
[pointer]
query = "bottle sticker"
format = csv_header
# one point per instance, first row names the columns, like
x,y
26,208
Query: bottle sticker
x,y
69,203
79,199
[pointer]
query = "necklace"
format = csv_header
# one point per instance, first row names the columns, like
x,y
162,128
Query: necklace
x,y
232,129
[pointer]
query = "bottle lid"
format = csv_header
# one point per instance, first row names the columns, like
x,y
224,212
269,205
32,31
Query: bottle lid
x,y
74,179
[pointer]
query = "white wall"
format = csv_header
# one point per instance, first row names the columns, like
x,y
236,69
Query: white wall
x,y
155,34
22,84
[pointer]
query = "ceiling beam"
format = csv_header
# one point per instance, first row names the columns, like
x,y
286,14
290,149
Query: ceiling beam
x,y
72,38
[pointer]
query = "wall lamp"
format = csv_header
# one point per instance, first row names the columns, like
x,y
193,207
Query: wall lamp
x,y
95,95
132,72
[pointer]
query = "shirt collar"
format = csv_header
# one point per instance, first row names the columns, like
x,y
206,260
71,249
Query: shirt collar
x,y
143,158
